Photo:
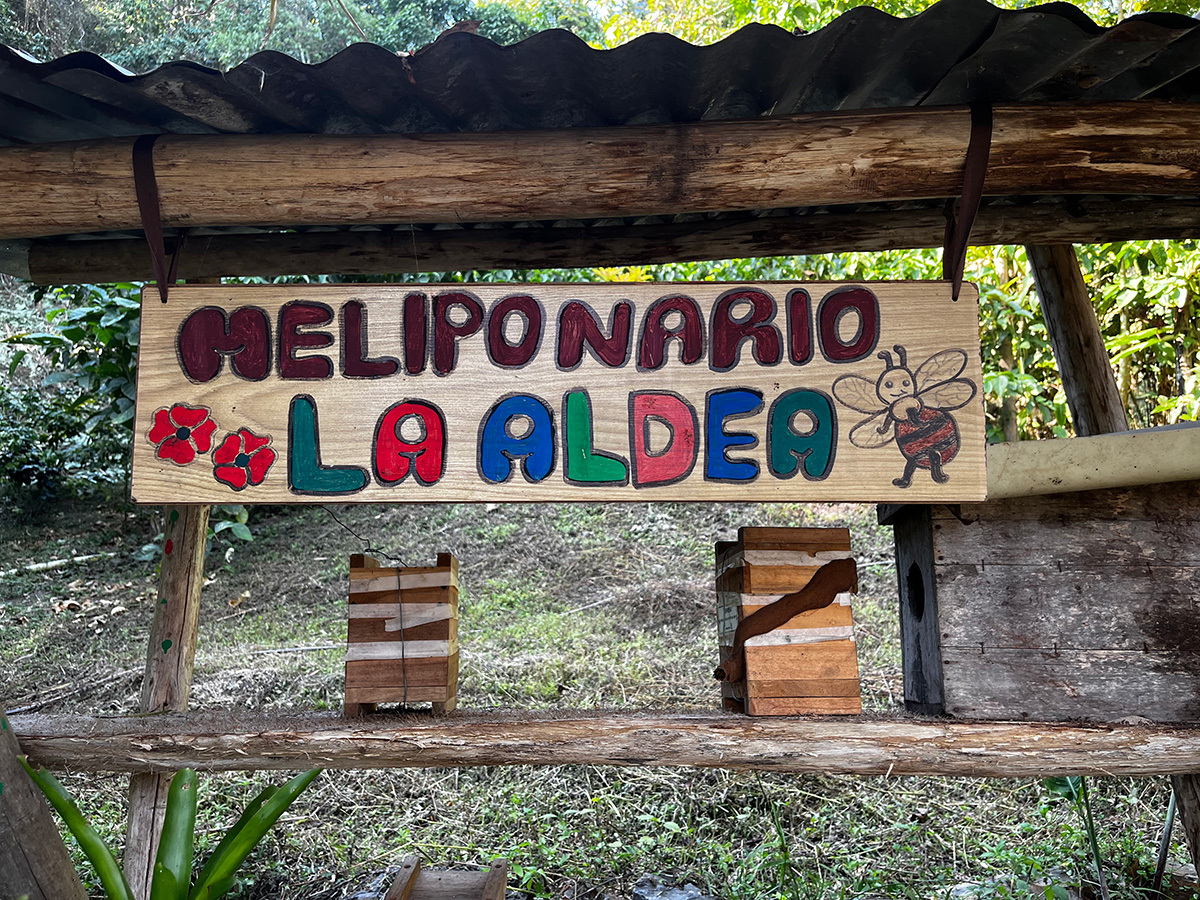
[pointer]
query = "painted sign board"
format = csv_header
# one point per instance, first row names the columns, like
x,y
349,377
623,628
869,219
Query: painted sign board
x,y
532,392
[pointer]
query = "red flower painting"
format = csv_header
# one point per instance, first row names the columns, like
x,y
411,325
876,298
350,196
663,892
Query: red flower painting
x,y
243,459
181,432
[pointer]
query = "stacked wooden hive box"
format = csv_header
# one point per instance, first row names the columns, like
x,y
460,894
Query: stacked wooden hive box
x,y
809,665
402,637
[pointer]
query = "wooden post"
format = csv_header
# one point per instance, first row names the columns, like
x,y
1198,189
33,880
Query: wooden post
x,y
1095,401
168,681
1187,801
1074,331
34,862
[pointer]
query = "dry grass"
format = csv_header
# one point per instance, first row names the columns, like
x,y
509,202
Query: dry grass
x,y
562,606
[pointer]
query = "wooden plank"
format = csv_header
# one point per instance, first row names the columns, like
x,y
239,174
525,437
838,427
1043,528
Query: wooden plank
x,y
1017,220
832,660
770,580
808,540
34,861
829,158
366,581
445,596
804,687
406,879
803,706
399,650
1074,332
496,883
837,615
1124,459
223,741
416,672
414,613
455,885
1089,685
1170,504
370,697
1133,608
375,630
603,427
170,658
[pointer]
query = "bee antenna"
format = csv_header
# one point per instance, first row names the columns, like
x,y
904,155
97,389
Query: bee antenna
x,y
886,357
903,356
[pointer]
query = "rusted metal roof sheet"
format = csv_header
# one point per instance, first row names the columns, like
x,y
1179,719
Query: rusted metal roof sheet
x,y
955,52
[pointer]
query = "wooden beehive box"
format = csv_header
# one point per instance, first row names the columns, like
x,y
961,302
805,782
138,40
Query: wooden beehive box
x,y
402,637
807,666
1068,606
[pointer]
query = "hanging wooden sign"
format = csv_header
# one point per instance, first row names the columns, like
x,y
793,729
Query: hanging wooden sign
x,y
423,392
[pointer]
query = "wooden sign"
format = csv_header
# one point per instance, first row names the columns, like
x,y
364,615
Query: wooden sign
x,y
457,392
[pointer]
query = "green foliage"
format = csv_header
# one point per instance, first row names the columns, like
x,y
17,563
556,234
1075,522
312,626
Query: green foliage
x,y
77,428
1075,790
92,344
143,34
172,876
41,447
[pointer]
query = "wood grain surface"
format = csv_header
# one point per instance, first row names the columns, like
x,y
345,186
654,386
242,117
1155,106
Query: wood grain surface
x,y
859,745
1142,147
323,361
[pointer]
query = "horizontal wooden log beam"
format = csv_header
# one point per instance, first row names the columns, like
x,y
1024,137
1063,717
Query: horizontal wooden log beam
x,y
856,746
821,159
1081,220
1124,459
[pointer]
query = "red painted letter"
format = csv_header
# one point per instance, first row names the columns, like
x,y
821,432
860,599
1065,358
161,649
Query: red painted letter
x,y
395,457
675,461
729,333
579,325
513,356
652,352
842,302
355,363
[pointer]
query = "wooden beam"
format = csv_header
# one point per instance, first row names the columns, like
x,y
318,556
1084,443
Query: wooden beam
x,y
1143,147
1074,330
34,862
853,745
1124,459
170,657
1082,220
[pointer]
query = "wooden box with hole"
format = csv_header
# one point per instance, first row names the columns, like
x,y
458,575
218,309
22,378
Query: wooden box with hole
x,y
1056,607
774,662
402,637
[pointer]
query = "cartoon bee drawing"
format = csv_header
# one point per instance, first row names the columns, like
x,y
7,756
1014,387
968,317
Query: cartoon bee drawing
x,y
911,408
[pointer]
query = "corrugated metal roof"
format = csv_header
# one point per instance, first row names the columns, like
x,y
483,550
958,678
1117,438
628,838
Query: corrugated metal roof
x,y
954,52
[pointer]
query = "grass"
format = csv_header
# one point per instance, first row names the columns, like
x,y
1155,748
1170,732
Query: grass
x,y
561,606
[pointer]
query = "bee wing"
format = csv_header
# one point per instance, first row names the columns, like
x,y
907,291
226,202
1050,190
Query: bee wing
x,y
867,435
858,393
940,367
949,395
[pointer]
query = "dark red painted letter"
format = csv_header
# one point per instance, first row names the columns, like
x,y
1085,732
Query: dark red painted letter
x,y
292,317
206,338
446,333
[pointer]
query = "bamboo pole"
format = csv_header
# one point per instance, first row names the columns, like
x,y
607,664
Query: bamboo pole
x,y
816,159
